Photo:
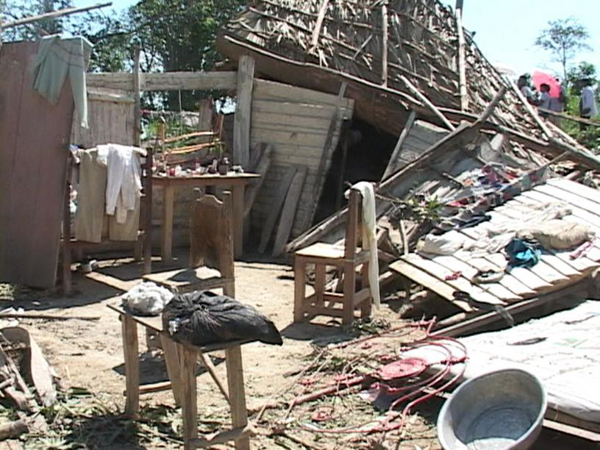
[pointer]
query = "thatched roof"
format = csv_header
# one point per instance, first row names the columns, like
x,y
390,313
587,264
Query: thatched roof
x,y
348,38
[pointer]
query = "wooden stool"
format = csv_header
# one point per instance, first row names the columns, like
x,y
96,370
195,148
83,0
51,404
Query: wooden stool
x,y
348,257
181,366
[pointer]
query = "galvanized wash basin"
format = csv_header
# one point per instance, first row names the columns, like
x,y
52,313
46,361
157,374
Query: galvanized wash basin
x,y
497,411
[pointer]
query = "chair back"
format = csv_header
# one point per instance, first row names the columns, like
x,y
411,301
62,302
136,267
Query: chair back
x,y
211,234
353,224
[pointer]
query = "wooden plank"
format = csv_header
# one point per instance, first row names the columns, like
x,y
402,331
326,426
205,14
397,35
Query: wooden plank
x,y
243,111
271,90
570,198
492,293
262,169
289,137
289,122
393,162
468,271
167,223
296,109
289,211
421,277
166,81
276,208
576,188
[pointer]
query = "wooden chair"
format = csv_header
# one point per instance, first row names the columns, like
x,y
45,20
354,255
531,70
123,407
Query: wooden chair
x,y
181,366
348,257
211,250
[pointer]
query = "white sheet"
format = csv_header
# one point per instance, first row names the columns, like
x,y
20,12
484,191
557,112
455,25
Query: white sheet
x,y
567,362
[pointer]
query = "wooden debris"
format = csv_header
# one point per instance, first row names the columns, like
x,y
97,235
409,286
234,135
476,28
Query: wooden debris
x,y
13,429
289,211
41,316
269,225
262,167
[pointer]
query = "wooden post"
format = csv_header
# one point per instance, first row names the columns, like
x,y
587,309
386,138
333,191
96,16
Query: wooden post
x,y
384,44
289,211
392,162
132,368
167,223
147,240
243,110
299,288
462,65
237,394
66,242
137,97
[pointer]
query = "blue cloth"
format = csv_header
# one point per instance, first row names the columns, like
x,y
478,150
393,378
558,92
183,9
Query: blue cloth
x,y
522,253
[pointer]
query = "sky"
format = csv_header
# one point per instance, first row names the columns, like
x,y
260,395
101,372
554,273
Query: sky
x,y
506,30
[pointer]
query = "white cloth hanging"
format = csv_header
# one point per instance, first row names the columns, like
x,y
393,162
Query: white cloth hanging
x,y
369,231
123,184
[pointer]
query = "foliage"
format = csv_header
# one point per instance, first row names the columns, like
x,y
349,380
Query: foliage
x,y
577,75
17,9
563,39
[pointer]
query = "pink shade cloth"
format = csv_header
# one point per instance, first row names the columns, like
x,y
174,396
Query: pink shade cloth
x,y
541,77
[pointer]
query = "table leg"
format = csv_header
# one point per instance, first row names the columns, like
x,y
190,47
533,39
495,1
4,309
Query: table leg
x,y
167,224
238,220
132,367
237,394
171,355
189,405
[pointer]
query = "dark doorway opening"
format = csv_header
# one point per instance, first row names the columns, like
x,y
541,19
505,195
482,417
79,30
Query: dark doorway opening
x,y
368,151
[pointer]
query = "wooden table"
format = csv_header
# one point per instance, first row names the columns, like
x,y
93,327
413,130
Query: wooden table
x,y
235,181
180,359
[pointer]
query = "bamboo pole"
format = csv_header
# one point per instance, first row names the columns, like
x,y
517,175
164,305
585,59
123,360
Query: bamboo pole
x,y
427,103
462,70
54,14
384,44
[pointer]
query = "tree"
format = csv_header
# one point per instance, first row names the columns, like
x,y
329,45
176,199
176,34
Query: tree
x,y
576,75
563,39
17,9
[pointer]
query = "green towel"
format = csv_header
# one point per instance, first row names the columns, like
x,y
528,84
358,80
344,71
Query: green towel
x,y
56,58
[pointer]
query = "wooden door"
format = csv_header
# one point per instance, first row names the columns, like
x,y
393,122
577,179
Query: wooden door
x,y
34,138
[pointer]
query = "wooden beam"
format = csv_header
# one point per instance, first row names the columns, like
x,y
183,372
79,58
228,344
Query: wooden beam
x,y
462,70
314,41
166,81
54,14
384,44
411,87
593,123
243,111
392,162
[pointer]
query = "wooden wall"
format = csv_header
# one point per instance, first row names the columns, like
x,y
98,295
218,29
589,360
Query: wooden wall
x,y
34,138
295,121
110,119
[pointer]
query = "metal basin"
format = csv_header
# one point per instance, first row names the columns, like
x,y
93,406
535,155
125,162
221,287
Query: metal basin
x,y
497,411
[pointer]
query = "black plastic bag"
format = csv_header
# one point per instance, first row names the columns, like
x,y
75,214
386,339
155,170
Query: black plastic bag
x,y
203,318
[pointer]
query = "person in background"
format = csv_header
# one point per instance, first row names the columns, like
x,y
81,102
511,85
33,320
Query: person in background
x,y
543,101
559,103
523,85
587,100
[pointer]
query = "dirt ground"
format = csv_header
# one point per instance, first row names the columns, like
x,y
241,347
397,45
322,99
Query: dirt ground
x,y
88,354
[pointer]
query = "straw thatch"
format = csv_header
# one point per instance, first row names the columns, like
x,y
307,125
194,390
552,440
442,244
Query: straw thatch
x,y
349,38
